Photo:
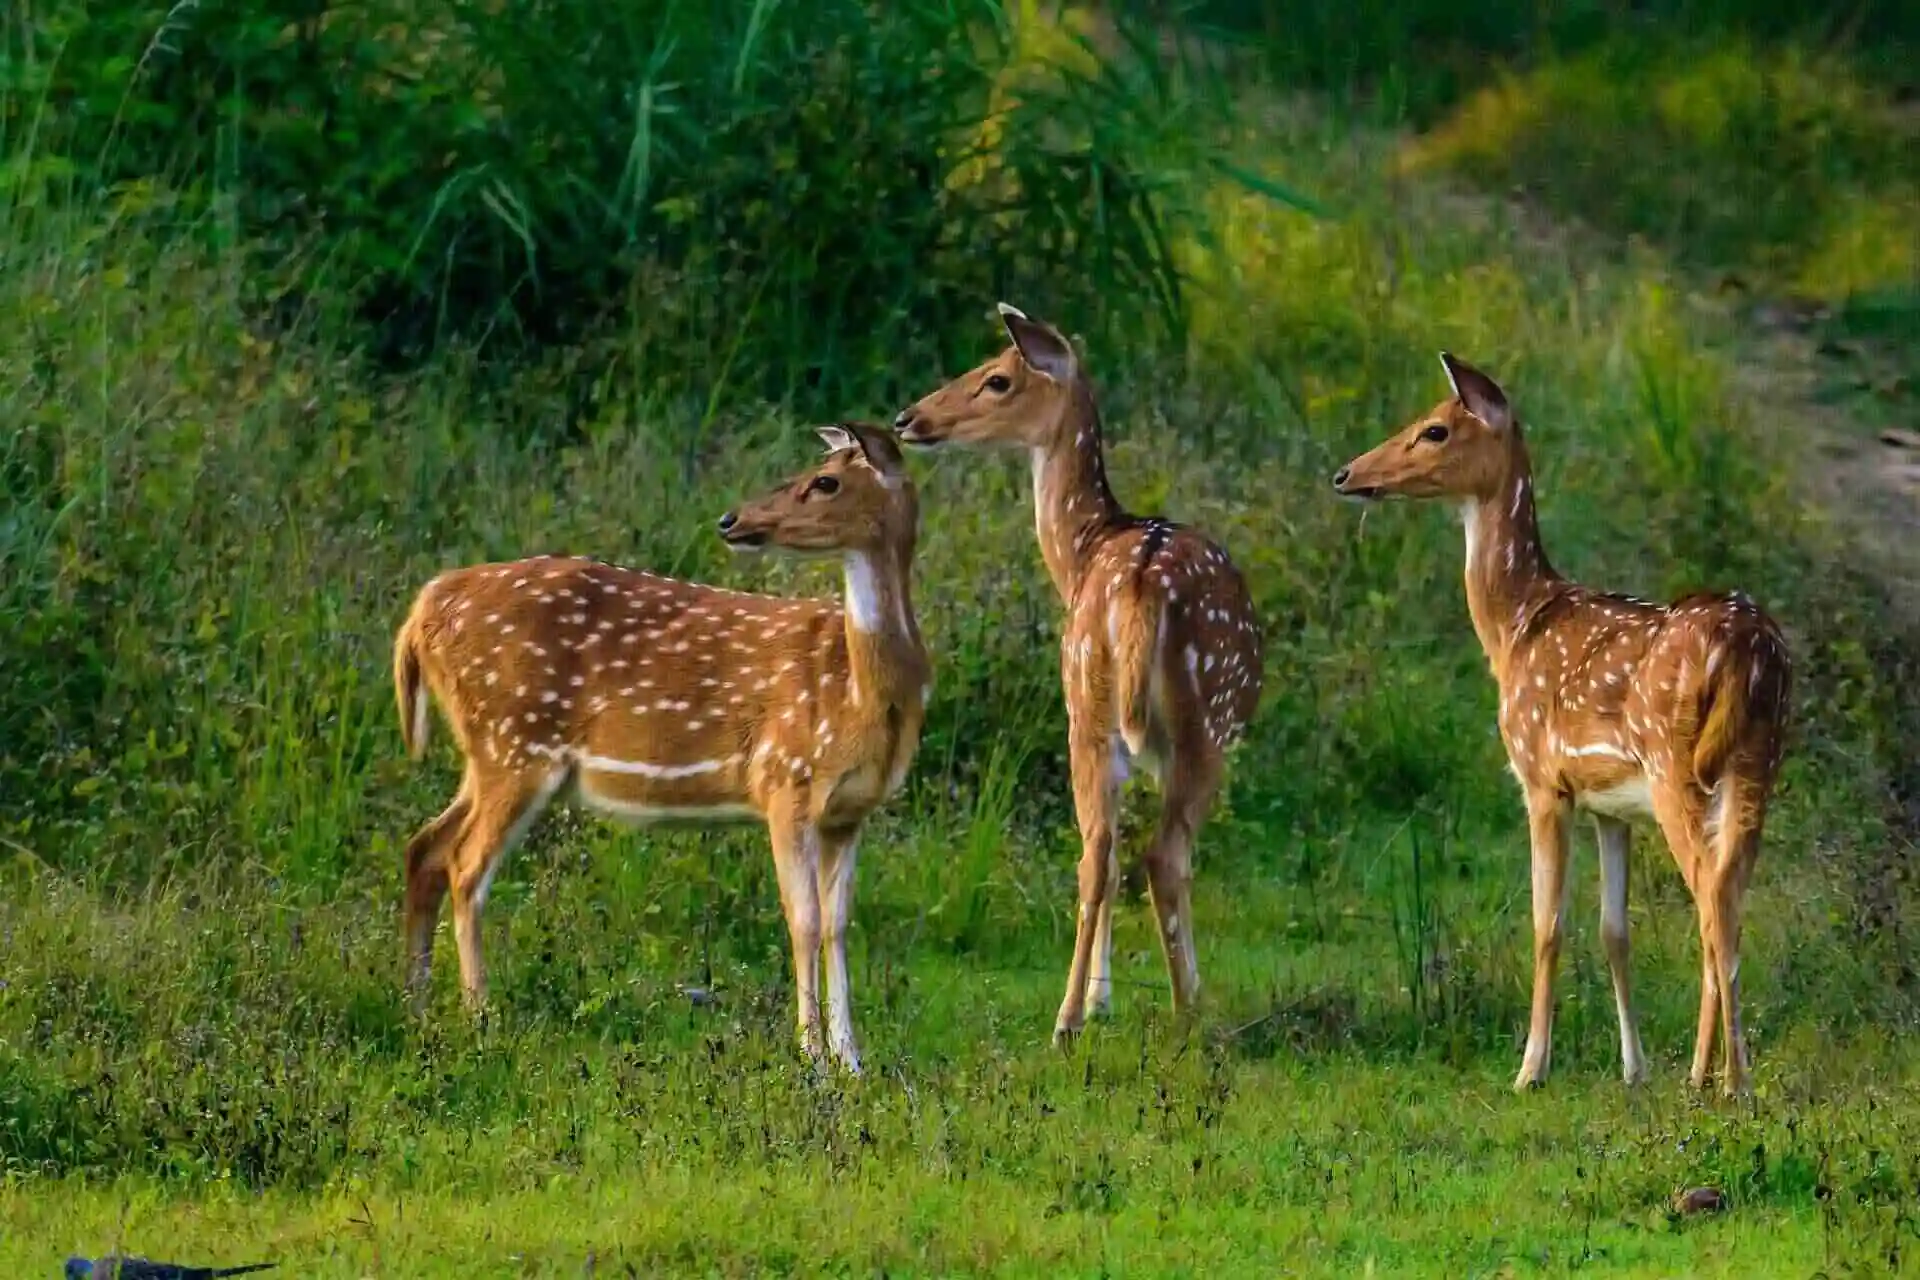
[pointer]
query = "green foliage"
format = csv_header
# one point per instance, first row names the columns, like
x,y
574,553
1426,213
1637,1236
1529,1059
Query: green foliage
x,y
769,199
1780,168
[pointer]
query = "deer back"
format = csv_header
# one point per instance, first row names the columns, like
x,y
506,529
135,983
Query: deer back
x,y
667,698
1601,692
1163,626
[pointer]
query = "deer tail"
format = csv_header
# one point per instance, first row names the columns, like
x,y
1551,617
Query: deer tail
x,y
1726,718
1137,641
1735,692
409,691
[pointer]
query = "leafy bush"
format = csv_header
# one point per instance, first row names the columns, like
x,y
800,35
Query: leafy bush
x,y
773,196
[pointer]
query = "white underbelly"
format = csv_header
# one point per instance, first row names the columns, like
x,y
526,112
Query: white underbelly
x,y
650,814
1630,799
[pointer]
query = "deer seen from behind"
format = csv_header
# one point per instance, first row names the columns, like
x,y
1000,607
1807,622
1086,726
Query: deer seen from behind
x,y
655,700
1620,707
1160,652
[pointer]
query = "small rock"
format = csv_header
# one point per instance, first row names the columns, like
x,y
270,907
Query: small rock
x,y
1797,314
116,1267
1700,1200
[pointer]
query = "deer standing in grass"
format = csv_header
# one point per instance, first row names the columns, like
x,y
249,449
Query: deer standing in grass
x,y
1626,709
1160,654
665,701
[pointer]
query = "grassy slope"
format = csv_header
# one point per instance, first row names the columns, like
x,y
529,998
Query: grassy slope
x,y
225,1036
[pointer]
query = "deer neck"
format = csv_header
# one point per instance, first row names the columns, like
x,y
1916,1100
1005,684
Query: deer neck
x,y
1071,500
1506,565
886,658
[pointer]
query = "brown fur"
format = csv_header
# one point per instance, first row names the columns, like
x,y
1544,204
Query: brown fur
x,y
1160,652
670,701
1619,706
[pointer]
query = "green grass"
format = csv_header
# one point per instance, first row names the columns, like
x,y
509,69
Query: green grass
x,y
214,523
664,1135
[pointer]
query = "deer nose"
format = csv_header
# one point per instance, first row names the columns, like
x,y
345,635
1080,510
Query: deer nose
x,y
903,419
1340,477
728,520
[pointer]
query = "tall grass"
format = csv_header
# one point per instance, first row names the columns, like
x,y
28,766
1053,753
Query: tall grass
x,y
769,200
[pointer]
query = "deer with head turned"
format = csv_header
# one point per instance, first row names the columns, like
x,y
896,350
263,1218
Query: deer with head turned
x,y
1160,653
655,700
1616,706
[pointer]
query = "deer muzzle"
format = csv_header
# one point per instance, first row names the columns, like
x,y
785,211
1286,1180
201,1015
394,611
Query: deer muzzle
x,y
1344,486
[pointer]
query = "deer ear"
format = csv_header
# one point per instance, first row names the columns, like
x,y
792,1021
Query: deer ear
x,y
878,446
837,438
1041,345
1480,394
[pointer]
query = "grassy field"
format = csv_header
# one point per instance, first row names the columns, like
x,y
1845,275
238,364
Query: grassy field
x,y
223,485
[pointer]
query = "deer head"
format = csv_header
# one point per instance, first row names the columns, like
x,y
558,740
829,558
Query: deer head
x,y
1018,399
858,499
1461,448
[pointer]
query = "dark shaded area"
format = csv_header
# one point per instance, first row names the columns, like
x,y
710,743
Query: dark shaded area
x,y
1417,58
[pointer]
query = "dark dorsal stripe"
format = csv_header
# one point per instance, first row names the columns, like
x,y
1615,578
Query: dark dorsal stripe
x,y
1158,534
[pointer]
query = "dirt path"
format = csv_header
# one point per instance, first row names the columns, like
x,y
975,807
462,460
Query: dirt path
x,y
1857,410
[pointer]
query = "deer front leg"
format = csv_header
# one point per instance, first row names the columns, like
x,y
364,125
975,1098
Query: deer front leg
x,y
1615,839
838,853
1547,821
796,861
1093,800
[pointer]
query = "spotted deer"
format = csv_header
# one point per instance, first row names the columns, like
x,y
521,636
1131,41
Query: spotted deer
x,y
1617,706
1160,653
666,701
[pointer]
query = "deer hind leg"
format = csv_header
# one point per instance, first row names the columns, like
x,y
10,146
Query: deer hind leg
x,y
503,808
838,854
1100,979
1100,982
1094,802
1735,843
427,856
1615,839
1709,1021
1725,887
1681,822
1547,823
796,861
1192,781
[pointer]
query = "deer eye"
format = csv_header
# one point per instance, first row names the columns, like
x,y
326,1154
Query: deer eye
x,y
999,383
824,484
1434,431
